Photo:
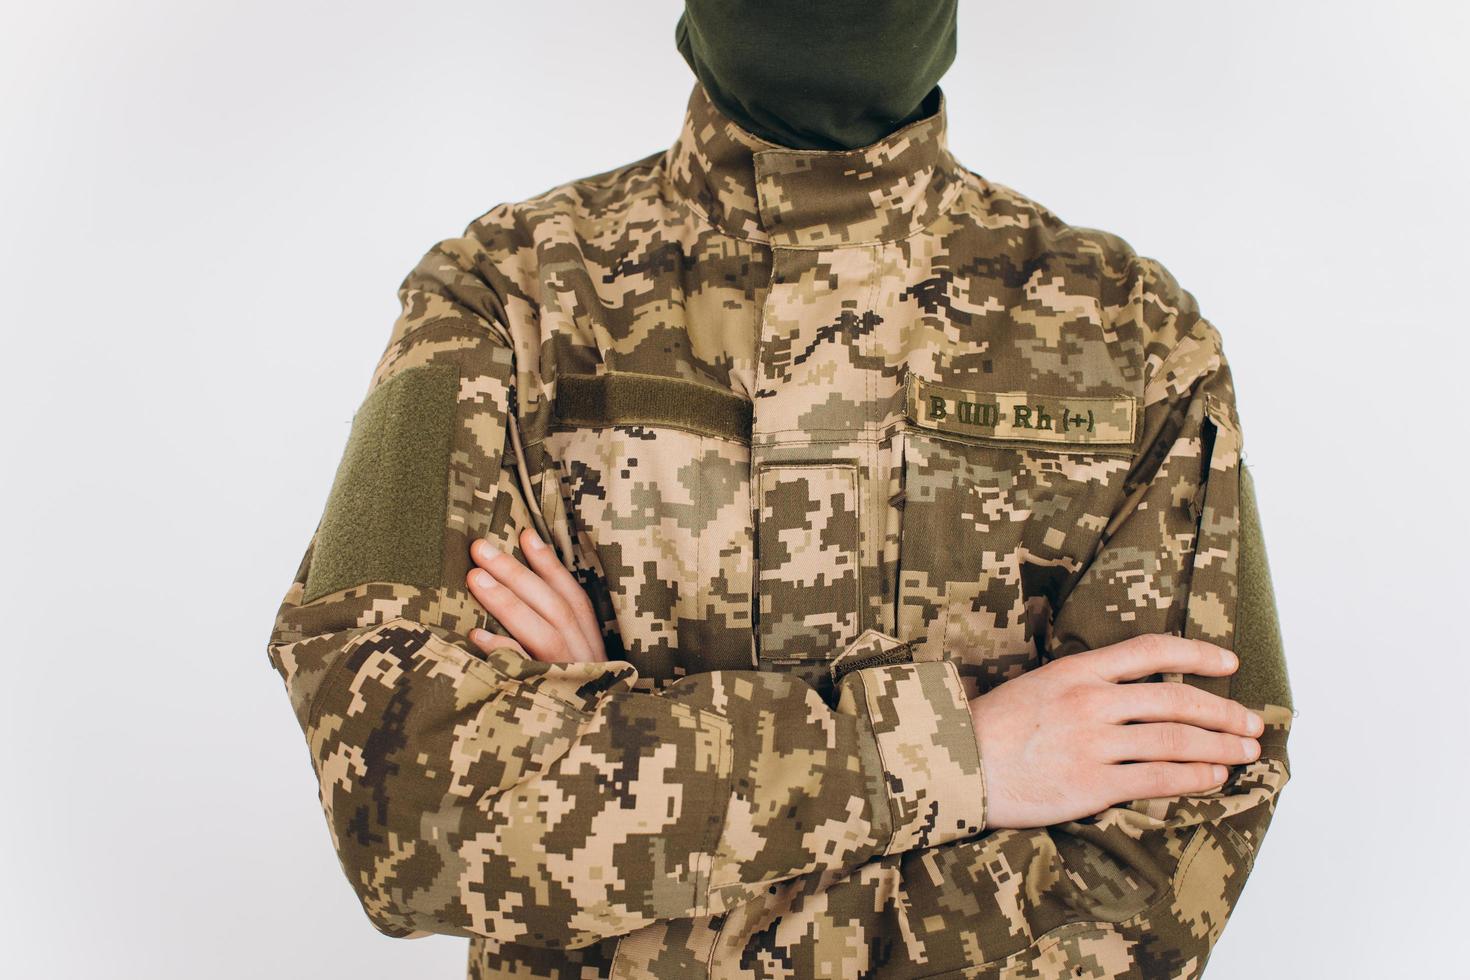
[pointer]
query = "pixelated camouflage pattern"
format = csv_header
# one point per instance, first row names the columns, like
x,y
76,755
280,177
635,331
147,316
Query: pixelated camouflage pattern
x,y
719,799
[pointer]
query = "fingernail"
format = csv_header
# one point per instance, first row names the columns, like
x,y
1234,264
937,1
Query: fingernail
x,y
1227,659
478,634
1219,773
1257,724
533,540
485,580
1248,746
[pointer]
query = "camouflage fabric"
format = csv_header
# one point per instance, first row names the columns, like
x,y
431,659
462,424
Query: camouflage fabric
x,y
834,440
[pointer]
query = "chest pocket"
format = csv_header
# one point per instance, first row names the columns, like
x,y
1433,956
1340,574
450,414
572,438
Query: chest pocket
x,y
999,500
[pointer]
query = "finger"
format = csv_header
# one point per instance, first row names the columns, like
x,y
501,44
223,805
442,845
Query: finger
x,y
1170,742
539,638
545,564
1170,701
487,642
1156,653
534,592
1150,780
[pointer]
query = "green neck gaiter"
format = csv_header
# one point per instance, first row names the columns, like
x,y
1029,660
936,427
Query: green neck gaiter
x,y
825,75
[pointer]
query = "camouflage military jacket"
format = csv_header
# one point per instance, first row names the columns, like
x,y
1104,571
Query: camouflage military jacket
x,y
834,440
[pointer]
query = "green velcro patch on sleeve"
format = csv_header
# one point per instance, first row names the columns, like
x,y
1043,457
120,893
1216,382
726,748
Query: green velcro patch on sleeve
x,y
1261,678
384,519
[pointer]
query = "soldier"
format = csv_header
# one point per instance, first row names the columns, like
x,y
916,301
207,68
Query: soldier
x,y
794,555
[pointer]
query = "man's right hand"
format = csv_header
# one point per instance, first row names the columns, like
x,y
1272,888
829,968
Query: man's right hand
x,y
1068,740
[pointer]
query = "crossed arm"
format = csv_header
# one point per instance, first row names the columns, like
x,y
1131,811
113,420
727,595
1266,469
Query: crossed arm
x,y
1059,743
541,798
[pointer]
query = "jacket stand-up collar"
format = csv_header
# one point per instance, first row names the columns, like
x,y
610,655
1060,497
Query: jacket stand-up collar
x,y
753,189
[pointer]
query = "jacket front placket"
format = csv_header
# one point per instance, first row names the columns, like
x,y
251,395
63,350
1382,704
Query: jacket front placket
x,y
813,425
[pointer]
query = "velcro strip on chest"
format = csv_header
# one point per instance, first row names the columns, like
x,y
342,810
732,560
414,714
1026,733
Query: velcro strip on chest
x,y
1017,416
628,398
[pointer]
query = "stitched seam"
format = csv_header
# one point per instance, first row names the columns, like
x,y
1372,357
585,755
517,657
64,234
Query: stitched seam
x,y
800,442
860,489
612,964
575,425
701,588
979,756
717,827
1014,445
672,379
1115,450
758,561
893,815
714,947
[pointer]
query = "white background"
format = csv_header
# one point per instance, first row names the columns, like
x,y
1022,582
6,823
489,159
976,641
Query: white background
x,y
205,211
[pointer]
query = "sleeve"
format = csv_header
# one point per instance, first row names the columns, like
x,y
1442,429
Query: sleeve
x,y
552,804
1143,889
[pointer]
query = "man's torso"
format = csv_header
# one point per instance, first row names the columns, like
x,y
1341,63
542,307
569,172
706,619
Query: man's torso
x,y
770,400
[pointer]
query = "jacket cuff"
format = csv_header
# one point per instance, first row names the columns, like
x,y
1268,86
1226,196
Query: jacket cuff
x,y
924,741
